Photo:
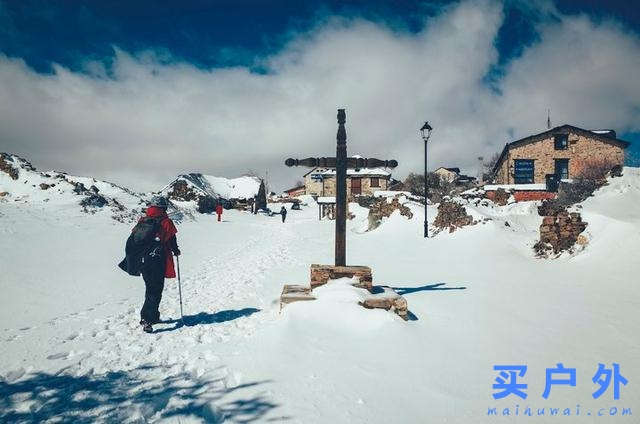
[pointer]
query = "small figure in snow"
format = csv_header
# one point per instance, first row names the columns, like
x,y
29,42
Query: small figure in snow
x,y
149,251
283,213
219,211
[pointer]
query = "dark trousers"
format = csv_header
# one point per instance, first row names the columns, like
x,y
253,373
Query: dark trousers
x,y
154,284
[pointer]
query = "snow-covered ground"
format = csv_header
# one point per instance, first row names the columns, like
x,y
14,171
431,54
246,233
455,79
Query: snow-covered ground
x,y
72,348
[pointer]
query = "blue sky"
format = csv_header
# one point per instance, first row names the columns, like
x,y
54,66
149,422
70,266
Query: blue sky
x,y
142,47
225,33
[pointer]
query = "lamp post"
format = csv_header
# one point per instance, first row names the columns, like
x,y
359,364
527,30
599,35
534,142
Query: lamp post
x,y
426,133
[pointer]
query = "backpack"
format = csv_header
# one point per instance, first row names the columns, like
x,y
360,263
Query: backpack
x,y
145,231
144,248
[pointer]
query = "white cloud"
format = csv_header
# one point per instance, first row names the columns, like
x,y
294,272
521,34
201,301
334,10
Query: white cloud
x,y
153,120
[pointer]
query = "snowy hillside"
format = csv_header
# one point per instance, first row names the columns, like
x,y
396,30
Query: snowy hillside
x,y
72,347
21,183
194,185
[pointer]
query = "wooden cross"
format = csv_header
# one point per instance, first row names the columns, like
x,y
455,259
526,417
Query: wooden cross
x,y
341,162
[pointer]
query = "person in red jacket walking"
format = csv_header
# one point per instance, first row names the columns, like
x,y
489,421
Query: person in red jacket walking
x,y
155,272
219,211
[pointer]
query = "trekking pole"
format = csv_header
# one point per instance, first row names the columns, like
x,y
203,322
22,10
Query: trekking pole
x,y
180,289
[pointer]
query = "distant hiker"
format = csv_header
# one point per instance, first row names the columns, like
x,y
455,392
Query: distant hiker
x,y
148,251
219,211
283,213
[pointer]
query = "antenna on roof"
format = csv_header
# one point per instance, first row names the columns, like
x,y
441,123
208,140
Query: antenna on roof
x,y
549,119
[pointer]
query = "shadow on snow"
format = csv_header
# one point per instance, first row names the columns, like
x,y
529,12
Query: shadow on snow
x,y
408,290
126,395
204,318
431,287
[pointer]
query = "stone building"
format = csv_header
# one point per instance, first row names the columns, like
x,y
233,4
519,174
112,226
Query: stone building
x,y
447,174
296,191
561,152
322,181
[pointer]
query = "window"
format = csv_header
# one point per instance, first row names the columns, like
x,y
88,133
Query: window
x,y
523,171
356,187
562,169
561,141
375,182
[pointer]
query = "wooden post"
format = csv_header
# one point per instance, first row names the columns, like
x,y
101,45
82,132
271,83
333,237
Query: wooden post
x,y
341,191
341,163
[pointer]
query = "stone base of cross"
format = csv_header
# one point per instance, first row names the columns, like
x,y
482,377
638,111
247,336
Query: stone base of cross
x,y
376,297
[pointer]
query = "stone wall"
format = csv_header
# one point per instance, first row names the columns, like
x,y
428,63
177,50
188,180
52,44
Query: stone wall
x,y
321,274
581,150
502,196
531,195
452,215
499,196
559,233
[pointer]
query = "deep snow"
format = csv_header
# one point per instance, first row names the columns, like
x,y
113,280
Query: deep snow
x,y
71,345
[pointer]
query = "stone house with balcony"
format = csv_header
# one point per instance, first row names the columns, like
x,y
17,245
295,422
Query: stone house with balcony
x,y
364,181
559,153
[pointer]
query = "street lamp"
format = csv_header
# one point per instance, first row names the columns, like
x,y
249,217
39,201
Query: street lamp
x,y
426,133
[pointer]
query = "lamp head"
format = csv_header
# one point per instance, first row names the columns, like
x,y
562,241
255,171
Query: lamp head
x,y
426,131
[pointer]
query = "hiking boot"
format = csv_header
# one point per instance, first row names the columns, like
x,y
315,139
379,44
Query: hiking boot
x,y
146,327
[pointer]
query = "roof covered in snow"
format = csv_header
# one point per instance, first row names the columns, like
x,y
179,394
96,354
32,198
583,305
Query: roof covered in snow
x,y
454,170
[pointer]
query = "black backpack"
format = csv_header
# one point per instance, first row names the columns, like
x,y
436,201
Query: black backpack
x,y
145,231
144,248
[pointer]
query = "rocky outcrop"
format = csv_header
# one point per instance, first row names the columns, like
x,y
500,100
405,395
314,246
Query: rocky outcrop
x,y
5,166
381,208
93,201
181,191
452,215
559,233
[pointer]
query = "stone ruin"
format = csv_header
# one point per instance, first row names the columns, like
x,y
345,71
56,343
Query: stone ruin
x,y
560,232
452,215
381,208
378,297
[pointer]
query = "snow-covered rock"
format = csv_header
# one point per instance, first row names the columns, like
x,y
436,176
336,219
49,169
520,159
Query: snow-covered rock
x,y
21,182
190,189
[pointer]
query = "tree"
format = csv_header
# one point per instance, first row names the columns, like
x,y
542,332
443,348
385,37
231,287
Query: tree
x,y
414,183
261,198
488,174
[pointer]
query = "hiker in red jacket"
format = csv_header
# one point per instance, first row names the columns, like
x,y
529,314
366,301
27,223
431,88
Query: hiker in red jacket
x,y
219,211
155,271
